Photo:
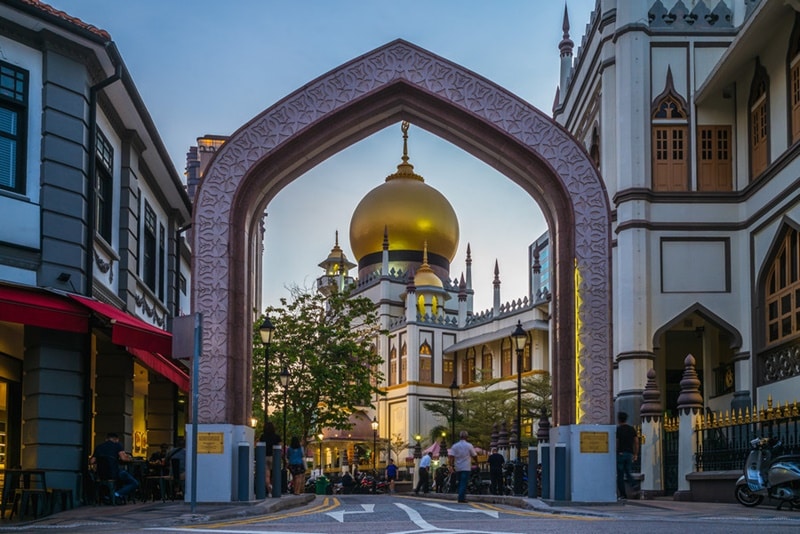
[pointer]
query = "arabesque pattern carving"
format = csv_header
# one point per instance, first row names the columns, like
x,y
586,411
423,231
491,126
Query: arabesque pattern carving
x,y
457,87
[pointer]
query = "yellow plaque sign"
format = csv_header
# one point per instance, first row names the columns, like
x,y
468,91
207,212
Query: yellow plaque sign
x,y
210,443
594,442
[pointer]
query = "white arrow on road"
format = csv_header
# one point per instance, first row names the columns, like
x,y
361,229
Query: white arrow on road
x,y
490,513
339,516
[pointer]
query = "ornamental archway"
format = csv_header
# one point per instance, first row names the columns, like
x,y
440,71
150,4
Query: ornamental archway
x,y
400,81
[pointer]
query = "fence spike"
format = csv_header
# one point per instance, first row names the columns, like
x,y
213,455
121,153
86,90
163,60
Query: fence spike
x,y
727,420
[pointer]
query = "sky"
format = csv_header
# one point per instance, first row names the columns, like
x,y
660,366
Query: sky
x,y
208,67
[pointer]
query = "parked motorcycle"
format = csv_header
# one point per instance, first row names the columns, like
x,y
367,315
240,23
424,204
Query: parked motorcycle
x,y
769,475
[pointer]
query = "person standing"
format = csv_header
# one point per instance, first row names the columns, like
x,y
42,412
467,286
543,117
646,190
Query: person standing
x,y
424,474
496,462
107,457
297,465
460,457
627,452
270,438
391,474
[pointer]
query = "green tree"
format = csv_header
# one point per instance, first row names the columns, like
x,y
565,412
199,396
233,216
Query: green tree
x,y
327,345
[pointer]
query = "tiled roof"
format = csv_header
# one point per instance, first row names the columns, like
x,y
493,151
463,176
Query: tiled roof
x,y
50,10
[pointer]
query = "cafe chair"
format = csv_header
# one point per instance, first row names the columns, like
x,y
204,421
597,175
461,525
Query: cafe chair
x,y
32,498
104,488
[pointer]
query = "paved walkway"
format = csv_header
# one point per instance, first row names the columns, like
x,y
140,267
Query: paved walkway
x,y
158,514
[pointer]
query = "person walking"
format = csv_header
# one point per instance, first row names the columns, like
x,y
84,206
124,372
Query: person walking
x,y
460,457
627,452
391,474
496,462
424,474
270,439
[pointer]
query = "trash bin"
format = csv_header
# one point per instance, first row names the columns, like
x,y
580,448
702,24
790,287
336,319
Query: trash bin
x,y
322,485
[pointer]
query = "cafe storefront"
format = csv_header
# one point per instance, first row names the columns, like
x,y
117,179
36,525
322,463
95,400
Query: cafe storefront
x,y
74,368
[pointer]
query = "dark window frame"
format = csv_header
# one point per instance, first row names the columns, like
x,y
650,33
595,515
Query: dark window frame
x,y
14,87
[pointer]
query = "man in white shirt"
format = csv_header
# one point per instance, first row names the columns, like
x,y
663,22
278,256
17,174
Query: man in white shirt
x,y
460,456
424,474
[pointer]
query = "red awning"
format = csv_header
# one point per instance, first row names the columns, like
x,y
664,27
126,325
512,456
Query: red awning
x,y
163,366
128,330
42,309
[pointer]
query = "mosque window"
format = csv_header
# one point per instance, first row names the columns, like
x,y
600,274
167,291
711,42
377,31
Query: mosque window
x,y
434,306
782,302
714,162
393,366
421,306
425,363
13,121
468,370
794,79
670,138
505,367
448,370
526,358
486,364
403,364
759,122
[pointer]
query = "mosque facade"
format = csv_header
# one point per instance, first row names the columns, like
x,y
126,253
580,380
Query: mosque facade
x,y
690,112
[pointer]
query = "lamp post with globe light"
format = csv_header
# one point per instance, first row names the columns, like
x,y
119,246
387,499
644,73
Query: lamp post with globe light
x,y
265,331
520,338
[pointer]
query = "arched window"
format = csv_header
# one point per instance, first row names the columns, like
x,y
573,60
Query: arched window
x,y
393,366
434,306
448,369
594,149
425,363
505,367
403,363
468,369
486,363
670,138
782,291
759,122
421,306
793,65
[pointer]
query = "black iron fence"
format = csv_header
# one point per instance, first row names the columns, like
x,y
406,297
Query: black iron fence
x,y
670,451
723,441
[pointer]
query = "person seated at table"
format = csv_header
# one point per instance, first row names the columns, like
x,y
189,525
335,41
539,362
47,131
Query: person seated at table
x,y
107,457
177,456
157,462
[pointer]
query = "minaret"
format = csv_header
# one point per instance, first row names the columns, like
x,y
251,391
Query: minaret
x,y
336,267
496,283
565,47
462,303
470,293
537,276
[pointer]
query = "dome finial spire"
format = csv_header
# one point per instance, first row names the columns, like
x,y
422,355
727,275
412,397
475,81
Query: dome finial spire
x,y
405,169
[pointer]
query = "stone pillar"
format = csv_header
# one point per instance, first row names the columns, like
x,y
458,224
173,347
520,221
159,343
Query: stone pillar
x,y
690,405
651,447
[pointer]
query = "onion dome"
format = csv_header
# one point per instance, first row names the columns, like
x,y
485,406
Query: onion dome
x,y
425,275
413,212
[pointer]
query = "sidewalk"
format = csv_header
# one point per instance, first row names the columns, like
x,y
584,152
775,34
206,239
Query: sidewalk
x,y
161,514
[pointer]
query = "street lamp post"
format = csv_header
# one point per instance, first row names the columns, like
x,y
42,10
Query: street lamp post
x,y
265,330
285,383
319,437
374,443
520,338
453,396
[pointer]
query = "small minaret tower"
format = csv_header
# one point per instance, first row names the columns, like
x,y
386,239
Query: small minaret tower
x,y
565,47
496,284
336,267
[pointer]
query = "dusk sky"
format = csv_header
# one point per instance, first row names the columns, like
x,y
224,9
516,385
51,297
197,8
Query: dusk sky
x,y
207,67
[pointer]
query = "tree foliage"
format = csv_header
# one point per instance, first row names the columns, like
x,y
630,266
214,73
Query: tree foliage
x,y
326,343
477,409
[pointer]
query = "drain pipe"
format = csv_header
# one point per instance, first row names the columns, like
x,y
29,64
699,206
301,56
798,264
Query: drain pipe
x,y
92,191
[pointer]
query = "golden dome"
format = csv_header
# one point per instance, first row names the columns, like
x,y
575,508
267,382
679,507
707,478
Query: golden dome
x,y
411,212
425,275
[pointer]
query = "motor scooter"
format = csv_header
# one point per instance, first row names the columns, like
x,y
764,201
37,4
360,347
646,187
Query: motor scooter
x,y
768,476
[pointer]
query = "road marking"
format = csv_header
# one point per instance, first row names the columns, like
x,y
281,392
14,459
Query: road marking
x,y
339,516
463,510
328,504
528,513
425,527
